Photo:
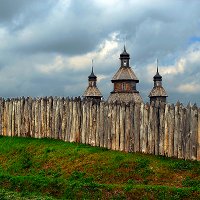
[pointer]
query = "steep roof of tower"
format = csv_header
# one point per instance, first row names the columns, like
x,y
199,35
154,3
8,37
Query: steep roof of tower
x,y
125,73
92,92
158,91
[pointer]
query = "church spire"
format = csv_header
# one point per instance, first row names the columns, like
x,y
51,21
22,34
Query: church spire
x,y
92,76
92,92
158,93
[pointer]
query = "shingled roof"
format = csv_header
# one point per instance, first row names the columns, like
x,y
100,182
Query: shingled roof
x,y
92,92
125,73
158,91
125,97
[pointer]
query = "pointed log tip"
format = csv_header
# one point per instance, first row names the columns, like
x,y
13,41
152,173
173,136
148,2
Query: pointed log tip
x,y
194,107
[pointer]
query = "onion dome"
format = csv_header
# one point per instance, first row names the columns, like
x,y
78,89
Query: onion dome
x,y
124,54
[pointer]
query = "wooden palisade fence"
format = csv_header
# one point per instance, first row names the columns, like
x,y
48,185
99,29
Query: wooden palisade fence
x,y
162,129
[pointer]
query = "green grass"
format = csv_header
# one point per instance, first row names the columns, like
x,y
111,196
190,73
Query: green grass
x,y
52,169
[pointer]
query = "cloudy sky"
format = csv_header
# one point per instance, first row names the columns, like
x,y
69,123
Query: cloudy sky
x,y
47,46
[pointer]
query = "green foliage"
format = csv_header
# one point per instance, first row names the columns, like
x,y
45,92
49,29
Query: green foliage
x,y
189,182
58,169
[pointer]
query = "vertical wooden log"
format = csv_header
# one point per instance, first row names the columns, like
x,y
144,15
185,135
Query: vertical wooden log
x,y
161,128
97,140
30,101
18,118
188,132
37,118
118,127
171,131
113,125
180,132
22,105
91,123
156,128
56,118
122,127
33,118
194,132
53,115
166,133
109,121
105,126
84,123
13,118
151,129
142,128
145,135
101,126
88,122
42,118
176,129
9,133
48,118
1,116
127,128
198,137
137,127
4,118
131,143
68,119
64,120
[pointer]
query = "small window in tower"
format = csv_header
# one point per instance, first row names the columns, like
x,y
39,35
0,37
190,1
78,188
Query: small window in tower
x,y
124,63
123,86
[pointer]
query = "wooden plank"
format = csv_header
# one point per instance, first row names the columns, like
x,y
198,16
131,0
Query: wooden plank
x,y
113,125
105,125
79,119
122,126
180,132
93,124
142,134
9,133
145,135
176,129
156,127
1,115
101,126
67,137
97,139
127,128
198,137
194,133
84,123
171,130
109,145
166,132
161,128
137,127
131,143
188,133
118,127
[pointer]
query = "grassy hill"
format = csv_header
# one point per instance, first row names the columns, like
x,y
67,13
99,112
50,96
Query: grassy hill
x,y
51,169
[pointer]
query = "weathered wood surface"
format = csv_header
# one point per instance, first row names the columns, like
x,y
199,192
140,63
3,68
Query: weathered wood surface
x,y
160,129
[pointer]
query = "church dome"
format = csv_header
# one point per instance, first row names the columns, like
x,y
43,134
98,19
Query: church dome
x,y
124,54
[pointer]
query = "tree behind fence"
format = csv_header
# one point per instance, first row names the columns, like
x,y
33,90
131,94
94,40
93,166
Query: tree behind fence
x,y
170,130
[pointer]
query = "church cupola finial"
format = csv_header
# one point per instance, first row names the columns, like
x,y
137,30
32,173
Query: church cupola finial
x,y
92,76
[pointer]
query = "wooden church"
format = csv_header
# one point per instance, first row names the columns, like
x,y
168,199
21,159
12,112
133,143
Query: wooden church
x,y
125,82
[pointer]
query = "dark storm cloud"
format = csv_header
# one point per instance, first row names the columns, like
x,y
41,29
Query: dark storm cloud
x,y
34,33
